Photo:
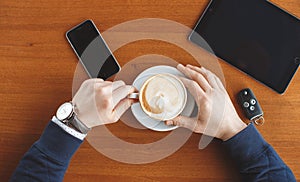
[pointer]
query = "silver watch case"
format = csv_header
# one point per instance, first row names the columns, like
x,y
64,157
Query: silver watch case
x,y
65,112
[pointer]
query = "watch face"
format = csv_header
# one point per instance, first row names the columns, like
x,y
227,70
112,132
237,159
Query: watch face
x,y
64,111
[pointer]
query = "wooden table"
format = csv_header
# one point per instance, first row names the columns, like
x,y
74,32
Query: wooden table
x,y
37,67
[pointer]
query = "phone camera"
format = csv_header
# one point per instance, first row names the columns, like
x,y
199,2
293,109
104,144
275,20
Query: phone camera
x,y
297,60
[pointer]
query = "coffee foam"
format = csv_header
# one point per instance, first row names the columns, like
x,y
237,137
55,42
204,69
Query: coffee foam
x,y
163,96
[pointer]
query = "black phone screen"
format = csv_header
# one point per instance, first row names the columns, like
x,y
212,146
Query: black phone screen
x,y
255,36
92,51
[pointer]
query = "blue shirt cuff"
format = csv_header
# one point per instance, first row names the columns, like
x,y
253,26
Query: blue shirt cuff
x,y
246,145
57,144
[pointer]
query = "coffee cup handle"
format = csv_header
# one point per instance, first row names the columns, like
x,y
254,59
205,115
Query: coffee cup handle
x,y
133,96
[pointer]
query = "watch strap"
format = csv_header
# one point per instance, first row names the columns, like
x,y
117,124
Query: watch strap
x,y
74,121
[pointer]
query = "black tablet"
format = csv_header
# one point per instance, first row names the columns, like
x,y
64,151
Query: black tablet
x,y
255,36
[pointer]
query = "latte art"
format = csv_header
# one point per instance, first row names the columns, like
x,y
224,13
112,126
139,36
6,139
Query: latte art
x,y
163,96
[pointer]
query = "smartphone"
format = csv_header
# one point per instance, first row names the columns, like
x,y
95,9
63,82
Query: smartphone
x,y
92,51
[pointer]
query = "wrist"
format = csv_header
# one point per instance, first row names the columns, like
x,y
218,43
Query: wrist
x,y
67,114
69,129
233,128
86,120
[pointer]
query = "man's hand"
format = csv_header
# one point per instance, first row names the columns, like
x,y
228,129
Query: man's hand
x,y
101,102
217,116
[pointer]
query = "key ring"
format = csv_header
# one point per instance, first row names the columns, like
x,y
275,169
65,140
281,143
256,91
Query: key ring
x,y
259,121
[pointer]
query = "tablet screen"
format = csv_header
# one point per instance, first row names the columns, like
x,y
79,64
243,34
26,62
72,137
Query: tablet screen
x,y
255,36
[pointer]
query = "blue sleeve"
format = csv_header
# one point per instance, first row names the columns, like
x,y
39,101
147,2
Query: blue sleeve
x,y
49,157
255,158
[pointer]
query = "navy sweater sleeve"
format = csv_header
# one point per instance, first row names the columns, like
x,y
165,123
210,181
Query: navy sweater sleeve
x,y
256,159
48,158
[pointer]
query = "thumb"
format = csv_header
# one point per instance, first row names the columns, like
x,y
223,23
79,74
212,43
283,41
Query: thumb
x,y
183,121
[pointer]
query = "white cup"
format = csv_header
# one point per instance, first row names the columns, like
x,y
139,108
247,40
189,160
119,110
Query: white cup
x,y
162,96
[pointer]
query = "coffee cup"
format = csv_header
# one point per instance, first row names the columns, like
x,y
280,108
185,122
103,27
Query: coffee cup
x,y
162,96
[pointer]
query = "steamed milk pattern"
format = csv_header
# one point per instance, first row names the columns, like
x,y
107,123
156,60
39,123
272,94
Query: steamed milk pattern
x,y
163,96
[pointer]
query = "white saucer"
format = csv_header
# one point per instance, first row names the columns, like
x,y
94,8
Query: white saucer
x,y
141,116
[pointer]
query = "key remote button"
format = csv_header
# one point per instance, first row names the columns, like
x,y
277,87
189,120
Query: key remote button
x,y
246,104
249,104
252,101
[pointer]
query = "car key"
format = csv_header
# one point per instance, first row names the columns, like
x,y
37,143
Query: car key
x,y
250,106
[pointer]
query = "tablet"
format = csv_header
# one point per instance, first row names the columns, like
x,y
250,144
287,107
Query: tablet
x,y
255,36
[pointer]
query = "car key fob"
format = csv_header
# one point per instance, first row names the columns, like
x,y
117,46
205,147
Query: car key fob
x,y
250,106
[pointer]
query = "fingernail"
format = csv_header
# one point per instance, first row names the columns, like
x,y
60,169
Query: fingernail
x,y
188,68
169,123
180,65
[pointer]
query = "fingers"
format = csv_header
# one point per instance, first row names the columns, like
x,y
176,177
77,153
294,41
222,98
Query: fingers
x,y
186,122
98,80
210,77
193,87
198,77
101,84
112,92
183,70
121,107
220,84
196,68
120,93
117,84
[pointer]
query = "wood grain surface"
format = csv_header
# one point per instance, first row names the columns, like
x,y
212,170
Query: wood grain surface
x,y
37,67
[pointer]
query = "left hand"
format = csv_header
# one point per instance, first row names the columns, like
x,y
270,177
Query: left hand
x,y
101,102
217,116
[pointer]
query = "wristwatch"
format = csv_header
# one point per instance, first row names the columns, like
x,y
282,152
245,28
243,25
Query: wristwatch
x,y
67,115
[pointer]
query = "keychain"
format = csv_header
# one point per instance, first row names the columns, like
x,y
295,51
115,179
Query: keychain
x,y
250,106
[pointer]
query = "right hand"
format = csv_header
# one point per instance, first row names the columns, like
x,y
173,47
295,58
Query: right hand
x,y
101,102
217,116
